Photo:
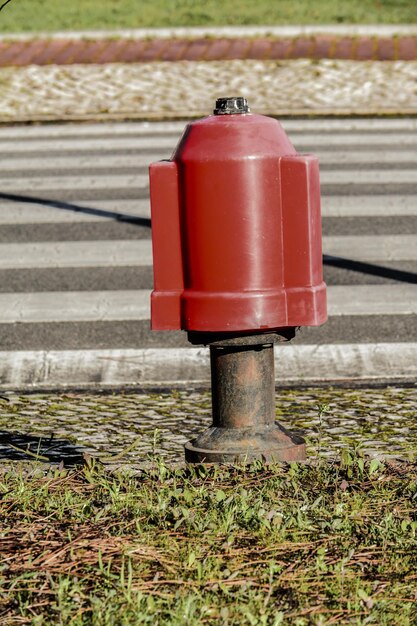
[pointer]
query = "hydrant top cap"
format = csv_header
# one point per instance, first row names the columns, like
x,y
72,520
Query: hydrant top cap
x,y
231,106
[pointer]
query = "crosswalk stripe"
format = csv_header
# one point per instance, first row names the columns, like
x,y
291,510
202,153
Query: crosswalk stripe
x,y
175,128
372,300
132,181
332,206
371,206
138,252
33,213
109,129
369,176
141,181
340,158
334,140
16,163
96,161
372,248
75,254
122,305
74,306
79,145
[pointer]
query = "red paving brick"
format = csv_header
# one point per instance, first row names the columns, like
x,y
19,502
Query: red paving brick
x,y
27,53
9,53
174,51
386,51
132,52
259,49
343,48
60,51
407,48
302,48
238,49
281,48
71,53
49,52
323,47
90,52
196,50
364,48
153,50
218,49
112,52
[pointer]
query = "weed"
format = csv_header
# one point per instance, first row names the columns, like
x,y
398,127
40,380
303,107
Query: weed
x,y
329,543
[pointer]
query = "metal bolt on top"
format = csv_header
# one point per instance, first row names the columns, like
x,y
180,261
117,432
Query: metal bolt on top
x,y
233,105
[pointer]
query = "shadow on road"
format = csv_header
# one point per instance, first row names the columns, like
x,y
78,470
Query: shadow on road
x,y
370,268
335,261
68,206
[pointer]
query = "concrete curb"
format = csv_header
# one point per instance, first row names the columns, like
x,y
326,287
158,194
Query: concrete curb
x,y
236,32
295,364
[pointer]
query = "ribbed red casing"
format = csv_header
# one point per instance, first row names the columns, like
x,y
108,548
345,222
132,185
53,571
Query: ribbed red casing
x,y
236,230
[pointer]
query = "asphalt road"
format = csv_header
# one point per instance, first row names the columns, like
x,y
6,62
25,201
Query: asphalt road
x,y
75,255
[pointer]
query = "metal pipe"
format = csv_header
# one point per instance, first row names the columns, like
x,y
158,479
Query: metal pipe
x,y
243,385
243,402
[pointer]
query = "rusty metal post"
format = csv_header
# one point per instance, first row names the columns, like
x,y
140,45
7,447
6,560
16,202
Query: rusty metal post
x,y
243,400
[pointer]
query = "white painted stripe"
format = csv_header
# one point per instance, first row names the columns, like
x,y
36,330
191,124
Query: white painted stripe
x,y
350,124
112,129
136,253
79,161
74,306
150,129
393,299
16,185
332,206
372,206
75,254
371,177
33,213
78,145
293,363
108,161
342,158
141,181
83,306
372,248
355,138
309,139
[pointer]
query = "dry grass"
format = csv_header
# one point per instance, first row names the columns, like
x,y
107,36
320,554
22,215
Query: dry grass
x,y
333,543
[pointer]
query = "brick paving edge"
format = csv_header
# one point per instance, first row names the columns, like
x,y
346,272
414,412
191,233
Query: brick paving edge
x,y
69,51
186,116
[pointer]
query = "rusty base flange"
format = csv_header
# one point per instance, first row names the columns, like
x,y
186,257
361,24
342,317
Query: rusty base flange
x,y
269,443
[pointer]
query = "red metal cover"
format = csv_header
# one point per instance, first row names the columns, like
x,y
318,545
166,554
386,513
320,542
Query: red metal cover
x,y
236,230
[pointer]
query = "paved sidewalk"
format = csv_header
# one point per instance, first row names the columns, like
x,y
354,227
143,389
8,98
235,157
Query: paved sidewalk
x,y
166,90
126,430
178,73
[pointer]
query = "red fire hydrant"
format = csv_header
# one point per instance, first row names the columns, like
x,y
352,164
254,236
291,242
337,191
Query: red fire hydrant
x,y
236,234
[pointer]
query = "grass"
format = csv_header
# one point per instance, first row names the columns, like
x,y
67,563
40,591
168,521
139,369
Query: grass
x,y
50,15
329,543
